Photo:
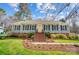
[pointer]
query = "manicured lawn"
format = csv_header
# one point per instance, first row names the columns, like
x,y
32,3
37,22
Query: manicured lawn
x,y
66,41
15,47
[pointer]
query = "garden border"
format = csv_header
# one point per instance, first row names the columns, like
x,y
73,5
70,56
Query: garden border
x,y
51,46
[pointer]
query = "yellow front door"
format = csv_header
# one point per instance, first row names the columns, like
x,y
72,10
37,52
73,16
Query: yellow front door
x,y
39,27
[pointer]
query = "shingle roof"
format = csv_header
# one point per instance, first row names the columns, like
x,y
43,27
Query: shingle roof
x,y
38,21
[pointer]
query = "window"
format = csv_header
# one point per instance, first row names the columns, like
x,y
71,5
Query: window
x,y
57,27
23,27
65,27
27,27
15,27
43,27
30,27
18,27
33,27
52,27
48,27
61,27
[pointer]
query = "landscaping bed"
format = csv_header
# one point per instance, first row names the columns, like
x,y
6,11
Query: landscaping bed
x,y
14,46
50,46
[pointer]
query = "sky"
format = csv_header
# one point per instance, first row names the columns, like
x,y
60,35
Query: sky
x,y
39,10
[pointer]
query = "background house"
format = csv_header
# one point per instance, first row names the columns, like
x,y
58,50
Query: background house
x,y
1,27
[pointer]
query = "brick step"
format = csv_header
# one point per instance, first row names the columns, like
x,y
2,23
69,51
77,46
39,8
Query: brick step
x,y
39,37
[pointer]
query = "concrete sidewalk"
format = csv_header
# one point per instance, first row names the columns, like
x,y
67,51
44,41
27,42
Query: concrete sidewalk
x,y
52,43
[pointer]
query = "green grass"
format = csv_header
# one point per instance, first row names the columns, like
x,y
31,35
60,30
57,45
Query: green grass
x,y
15,47
66,41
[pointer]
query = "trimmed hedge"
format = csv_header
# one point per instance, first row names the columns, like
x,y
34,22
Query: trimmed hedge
x,y
63,36
17,35
73,37
59,36
21,35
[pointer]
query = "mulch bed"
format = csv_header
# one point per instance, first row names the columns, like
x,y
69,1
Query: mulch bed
x,y
51,47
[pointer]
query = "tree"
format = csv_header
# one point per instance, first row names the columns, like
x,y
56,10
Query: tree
x,y
62,20
17,15
2,11
25,11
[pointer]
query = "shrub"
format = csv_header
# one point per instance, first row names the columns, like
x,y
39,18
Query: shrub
x,y
30,35
73,37
53,36
61,36
22,35
76,37
48,35
2,33
2,37
13,35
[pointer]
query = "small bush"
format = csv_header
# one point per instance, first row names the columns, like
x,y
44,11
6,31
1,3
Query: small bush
x,y
2,37
53,36
30,35
2,33
12,35
73,37
17,35
61,36
22,35
48,35
76,37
